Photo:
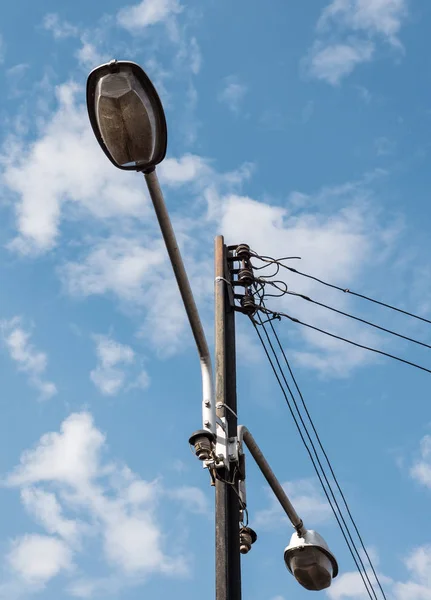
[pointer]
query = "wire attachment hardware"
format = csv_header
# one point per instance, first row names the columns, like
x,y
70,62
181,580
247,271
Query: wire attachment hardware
x,y
247,537
243,276
202,442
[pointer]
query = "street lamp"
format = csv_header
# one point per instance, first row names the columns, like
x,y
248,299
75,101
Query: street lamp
x,y
310,561
129,123
127,118
307,556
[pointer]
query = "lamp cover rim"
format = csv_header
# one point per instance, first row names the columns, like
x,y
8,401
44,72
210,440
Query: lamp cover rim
x,y
328,553
154,98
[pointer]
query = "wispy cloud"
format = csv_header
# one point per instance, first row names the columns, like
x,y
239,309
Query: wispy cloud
x,y
39,175
125,259
384,146
347,34
307,499
373,17
333,62
111,372
59,28
38,558
116,508
233,93
31,361
89,54
350,586
136,17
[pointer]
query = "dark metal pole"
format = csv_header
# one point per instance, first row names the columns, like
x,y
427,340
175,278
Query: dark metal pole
x,y
228,561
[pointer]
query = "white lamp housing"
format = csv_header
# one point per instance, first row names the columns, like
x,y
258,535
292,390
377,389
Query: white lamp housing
x,y
310,561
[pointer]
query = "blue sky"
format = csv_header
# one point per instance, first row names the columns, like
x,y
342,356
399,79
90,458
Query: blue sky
x,y
300,130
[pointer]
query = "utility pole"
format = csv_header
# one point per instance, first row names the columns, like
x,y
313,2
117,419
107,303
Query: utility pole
x,y
227,507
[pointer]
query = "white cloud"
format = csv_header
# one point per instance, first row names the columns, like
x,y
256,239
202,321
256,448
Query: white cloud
x,y
307,499
148,12
382,17
47,511
63,168
233,93
89,55
124,257
116,508
107,377
29,360
349,585
111,372
70,457
333,62
137,273
419,565
60,29
188,168
335,54
139,276
39,558
317,237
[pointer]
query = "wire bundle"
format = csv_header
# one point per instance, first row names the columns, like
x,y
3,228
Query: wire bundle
x,y
317,455
298,408
261,284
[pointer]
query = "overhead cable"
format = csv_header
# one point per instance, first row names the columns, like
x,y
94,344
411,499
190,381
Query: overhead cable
x,y
277,314
279,262
345,314
350,543
326,457
315,460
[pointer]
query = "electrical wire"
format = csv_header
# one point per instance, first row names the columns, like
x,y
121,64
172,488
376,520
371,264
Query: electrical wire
x,y
340,312
279,262
233,483
350,544
277,314
320,445
326,457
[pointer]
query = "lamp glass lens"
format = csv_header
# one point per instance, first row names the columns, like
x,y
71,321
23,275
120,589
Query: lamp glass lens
x,y
126,119
311,568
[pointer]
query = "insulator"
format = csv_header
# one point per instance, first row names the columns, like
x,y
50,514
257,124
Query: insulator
x,y
247,537
243,252
202,443
248,305
245,277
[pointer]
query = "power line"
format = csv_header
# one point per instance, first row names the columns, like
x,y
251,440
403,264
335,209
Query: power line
x,y
326,457
340,312
278,262
350,544
277,314
314,464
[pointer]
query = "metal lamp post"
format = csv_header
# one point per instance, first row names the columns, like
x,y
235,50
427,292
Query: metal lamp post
x,y
129,123
128,120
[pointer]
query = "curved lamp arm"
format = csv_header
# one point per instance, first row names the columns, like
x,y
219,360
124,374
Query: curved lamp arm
x,y
208,404
244,436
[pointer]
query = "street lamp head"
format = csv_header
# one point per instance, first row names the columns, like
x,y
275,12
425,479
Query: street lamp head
x,y
127,116
310,561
